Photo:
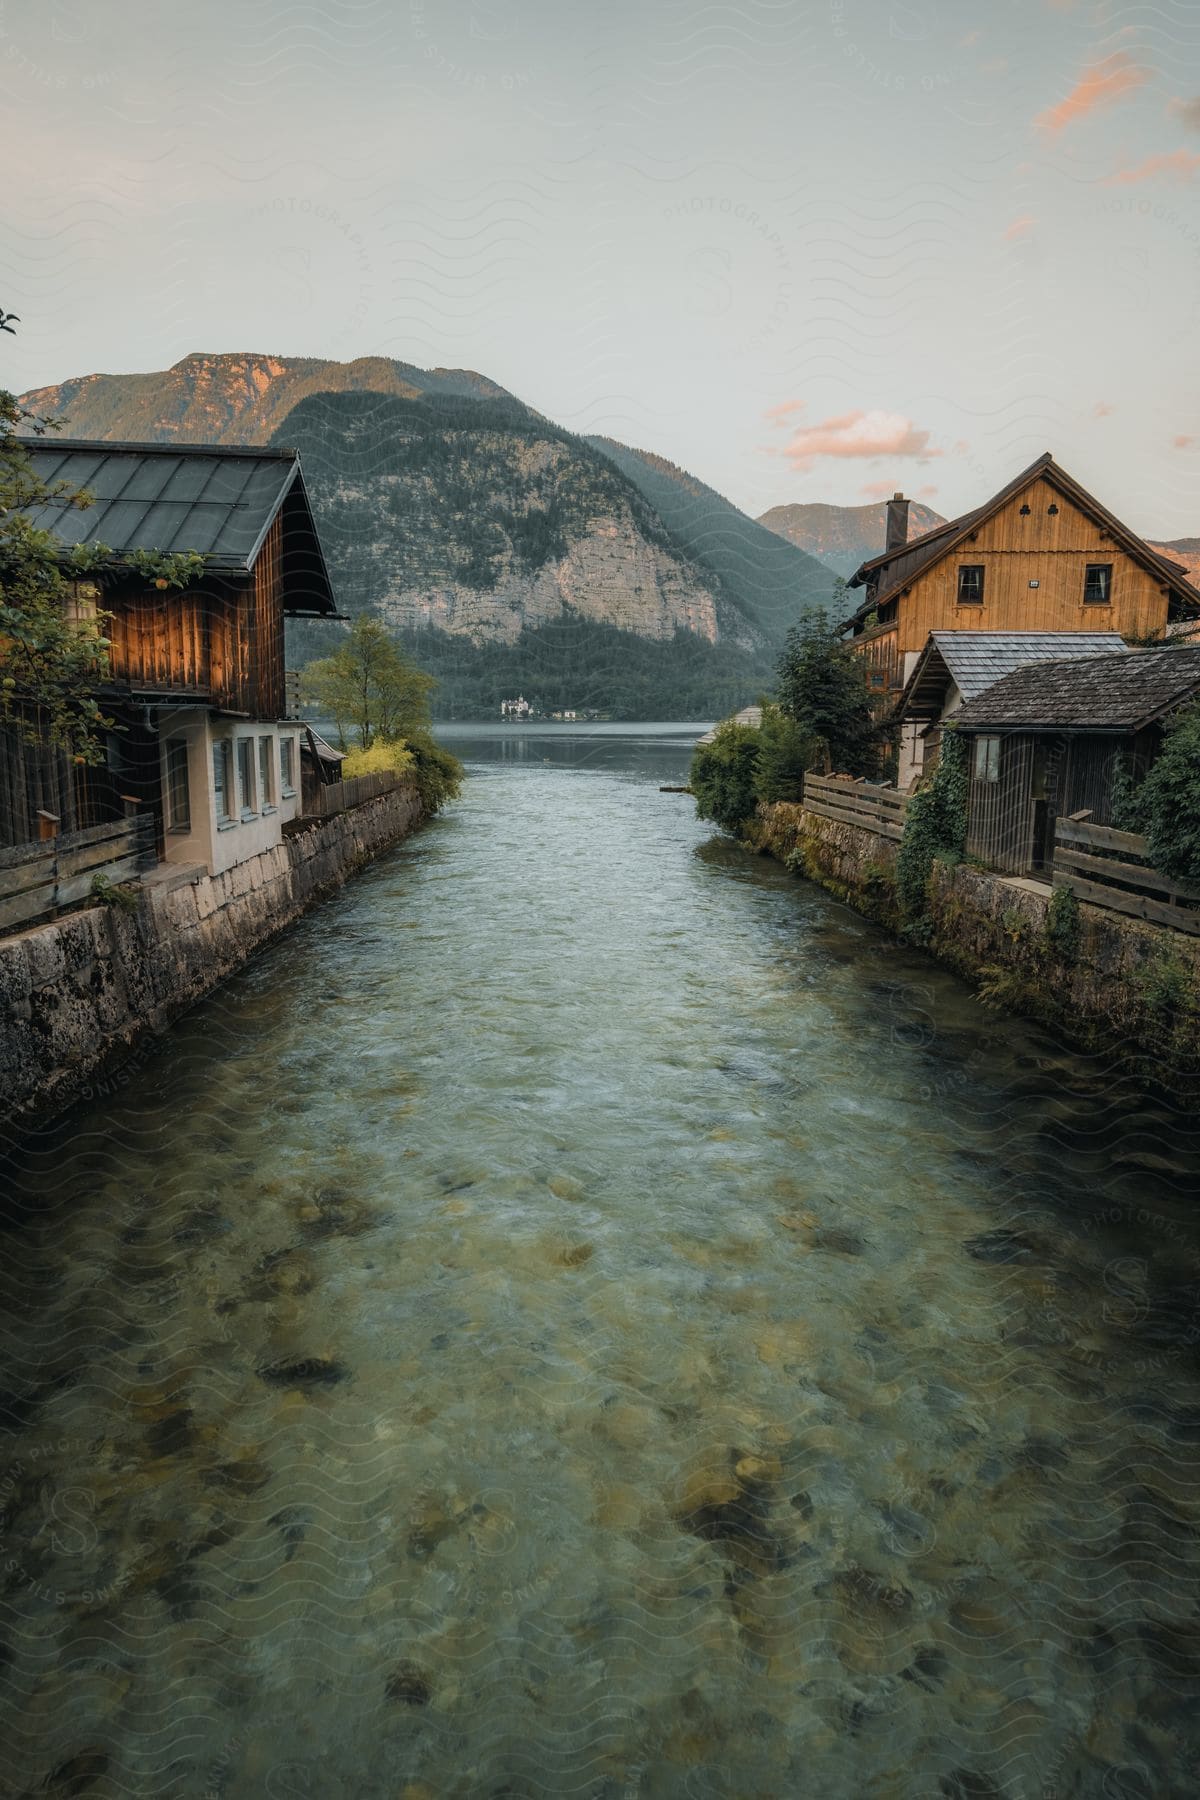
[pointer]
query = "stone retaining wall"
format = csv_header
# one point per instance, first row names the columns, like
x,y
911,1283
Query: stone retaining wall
x,y
1106,982
79,992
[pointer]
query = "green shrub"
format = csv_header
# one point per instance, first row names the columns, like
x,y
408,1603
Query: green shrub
x,y
1169,985
1061,930
723,775
124,899
1166,806
385,757
935,826
785,751
439,775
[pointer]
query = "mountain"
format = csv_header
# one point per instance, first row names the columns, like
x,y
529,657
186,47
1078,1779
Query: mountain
x,y
492,540
480,518
842,537
770,583
233,399
1182,550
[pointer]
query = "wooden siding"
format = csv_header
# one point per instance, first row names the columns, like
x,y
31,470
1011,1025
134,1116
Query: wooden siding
x,y
1046,777
267,627
1000,816
222,641
1053,550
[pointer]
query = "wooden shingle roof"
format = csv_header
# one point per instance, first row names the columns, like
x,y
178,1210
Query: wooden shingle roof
x,y
973,660
1103,693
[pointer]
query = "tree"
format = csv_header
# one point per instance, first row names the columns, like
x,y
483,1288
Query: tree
x,y
822,685
785,751
1166,806
50,663
722,775
370,688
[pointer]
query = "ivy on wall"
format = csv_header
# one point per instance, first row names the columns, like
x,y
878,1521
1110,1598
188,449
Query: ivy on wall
x,y
935,829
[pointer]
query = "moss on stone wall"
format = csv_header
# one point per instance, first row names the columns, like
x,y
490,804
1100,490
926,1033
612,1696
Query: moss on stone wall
x,y
79,994
1100,979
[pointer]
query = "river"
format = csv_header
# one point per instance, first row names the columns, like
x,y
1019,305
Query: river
x,y
586,1314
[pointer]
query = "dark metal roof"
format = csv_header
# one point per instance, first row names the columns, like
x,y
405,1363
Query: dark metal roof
x,y
973,660
1102,693
898,567
218,500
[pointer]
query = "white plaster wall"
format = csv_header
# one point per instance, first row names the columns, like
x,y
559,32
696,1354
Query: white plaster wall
x,y
220,844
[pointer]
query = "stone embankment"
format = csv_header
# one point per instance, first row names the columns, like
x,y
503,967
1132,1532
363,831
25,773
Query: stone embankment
x,y
1104,981
78,994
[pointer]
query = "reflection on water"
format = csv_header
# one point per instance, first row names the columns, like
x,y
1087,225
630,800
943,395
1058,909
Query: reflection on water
x,y
586,1314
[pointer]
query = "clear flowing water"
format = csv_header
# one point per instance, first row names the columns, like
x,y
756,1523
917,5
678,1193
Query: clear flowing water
x,y
585,1314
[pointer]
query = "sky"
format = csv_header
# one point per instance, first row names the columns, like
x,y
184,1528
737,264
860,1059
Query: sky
x,y
810,251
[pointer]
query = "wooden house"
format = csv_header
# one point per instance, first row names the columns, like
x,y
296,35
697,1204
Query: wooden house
x,y
202,741
957,666
1041,555
1051,740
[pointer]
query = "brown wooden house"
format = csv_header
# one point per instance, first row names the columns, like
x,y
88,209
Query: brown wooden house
x,y
1053,740
1042,555
195,681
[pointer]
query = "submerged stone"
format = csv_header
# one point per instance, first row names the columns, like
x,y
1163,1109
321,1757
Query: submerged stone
x,y
408,1684
303,1372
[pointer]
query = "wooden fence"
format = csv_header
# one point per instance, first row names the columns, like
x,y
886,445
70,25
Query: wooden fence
x,y
336,796
1109,868
872,808
36,880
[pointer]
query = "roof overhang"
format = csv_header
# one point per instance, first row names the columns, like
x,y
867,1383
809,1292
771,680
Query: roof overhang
x,y
948,537
924,693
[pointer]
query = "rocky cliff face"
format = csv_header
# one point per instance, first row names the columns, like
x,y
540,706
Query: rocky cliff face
x,y
842,537
231,399
482,519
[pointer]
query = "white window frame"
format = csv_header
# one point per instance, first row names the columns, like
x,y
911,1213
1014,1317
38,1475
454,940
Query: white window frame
x,y
223,783
266,774
245,772
985,765
287,767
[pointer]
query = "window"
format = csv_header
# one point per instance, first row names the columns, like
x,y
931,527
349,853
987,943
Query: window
x,y
266,771
179,806
287,765
245,766
970,584
222,779
1097,584
987,759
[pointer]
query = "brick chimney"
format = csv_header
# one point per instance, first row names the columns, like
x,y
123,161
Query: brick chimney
x,y
897,522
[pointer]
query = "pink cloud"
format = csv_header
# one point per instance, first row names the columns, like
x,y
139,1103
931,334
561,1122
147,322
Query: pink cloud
x,y
1103,85
1181,163
859,435
1020,227
1188,111
877,490
784,409
1102,409
927,492
1183,441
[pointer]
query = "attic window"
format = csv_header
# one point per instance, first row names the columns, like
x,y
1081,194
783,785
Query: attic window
x,y
1097,584
970,584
